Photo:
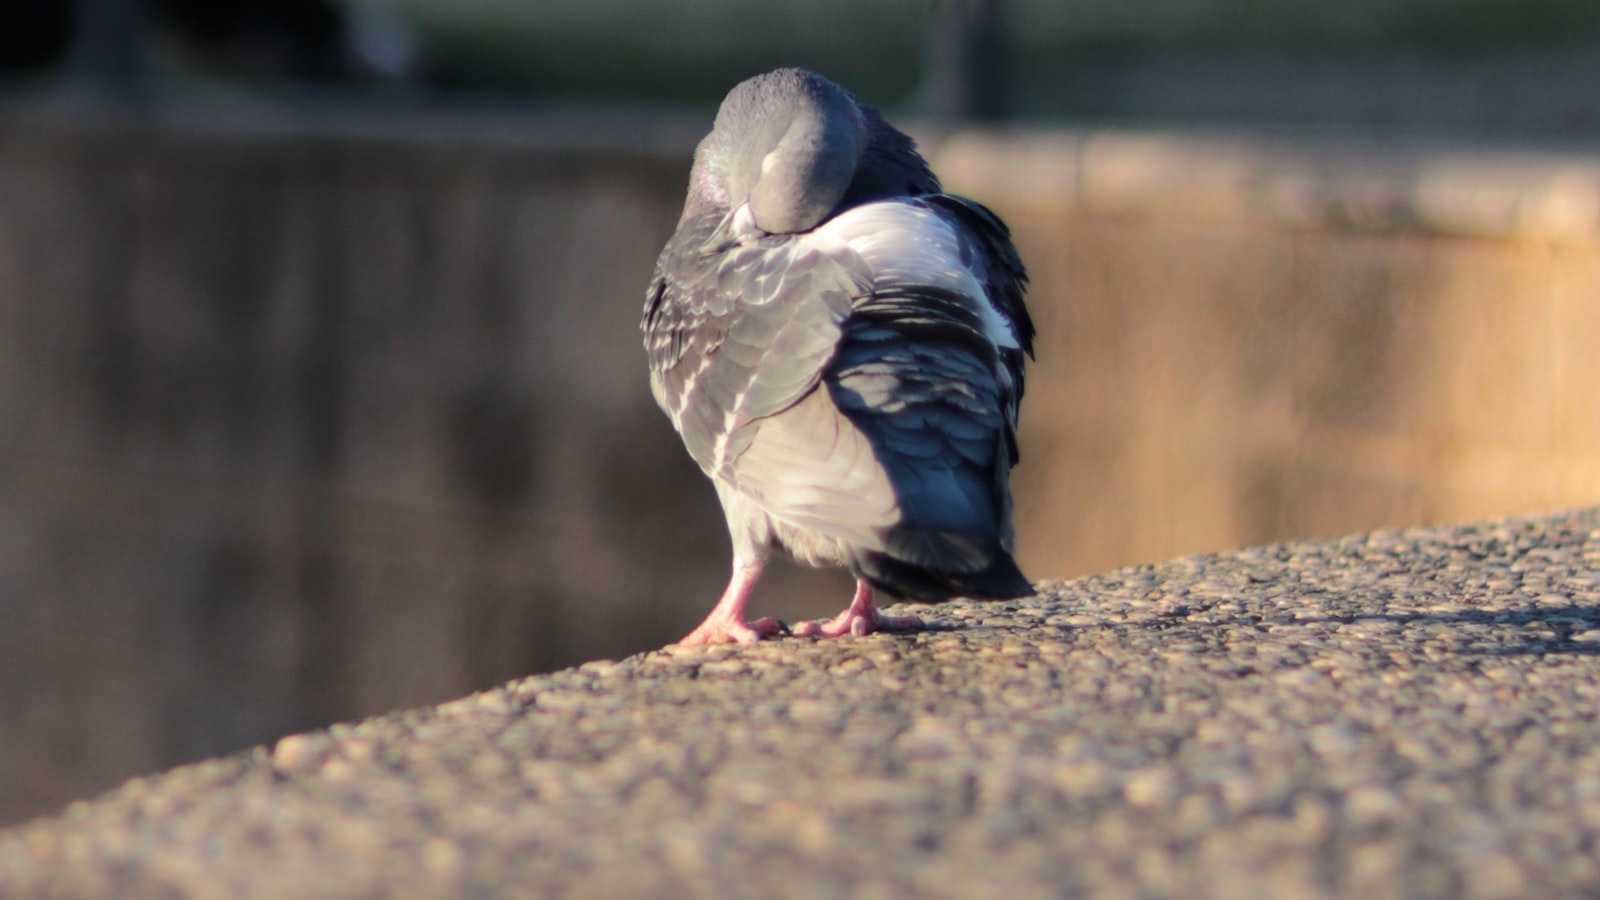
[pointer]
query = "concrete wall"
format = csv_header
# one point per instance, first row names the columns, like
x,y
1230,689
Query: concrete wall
x,y
1246,339
307,416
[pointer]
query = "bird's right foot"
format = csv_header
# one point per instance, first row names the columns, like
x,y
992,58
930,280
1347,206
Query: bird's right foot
x,y
858,623
862,617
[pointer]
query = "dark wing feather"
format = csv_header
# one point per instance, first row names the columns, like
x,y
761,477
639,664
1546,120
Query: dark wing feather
x,y
1006,280
921,373
916,374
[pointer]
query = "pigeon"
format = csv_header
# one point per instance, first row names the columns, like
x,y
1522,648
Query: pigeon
x,y
840,346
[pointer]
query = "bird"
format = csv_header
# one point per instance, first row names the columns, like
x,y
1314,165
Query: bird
x,y
840,345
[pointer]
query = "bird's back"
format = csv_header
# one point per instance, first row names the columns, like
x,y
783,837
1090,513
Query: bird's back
x,y
896,326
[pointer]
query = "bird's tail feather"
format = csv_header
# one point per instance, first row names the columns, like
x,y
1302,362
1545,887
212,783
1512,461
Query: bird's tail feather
x,y
1000,580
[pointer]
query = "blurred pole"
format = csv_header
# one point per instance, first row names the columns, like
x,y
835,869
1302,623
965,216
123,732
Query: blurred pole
x,y
107,55
966,62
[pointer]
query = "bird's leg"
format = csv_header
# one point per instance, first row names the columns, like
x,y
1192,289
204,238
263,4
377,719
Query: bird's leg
x,y
726,624
860,618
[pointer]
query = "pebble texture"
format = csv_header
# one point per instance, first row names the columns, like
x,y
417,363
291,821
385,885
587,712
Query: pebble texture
x,y
1406,713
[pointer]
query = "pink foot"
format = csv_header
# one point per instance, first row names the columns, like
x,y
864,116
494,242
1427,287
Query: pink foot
x,y
849,622
726,624
733,631
860,618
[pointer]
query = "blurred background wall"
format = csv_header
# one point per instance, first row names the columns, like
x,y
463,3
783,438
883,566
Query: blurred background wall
x,y
320,386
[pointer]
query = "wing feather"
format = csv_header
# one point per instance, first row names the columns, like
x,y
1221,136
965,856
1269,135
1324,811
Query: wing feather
x,y
738,332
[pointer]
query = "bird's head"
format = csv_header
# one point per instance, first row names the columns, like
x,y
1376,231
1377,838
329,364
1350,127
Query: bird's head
x,y
795,148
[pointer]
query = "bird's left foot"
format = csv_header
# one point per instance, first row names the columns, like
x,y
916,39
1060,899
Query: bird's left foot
x,y
733,631
858,623
726,624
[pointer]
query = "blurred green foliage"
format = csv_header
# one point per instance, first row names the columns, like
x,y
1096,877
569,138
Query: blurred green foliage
x,y
691,51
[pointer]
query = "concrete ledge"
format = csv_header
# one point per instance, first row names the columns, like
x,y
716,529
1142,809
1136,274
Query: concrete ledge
x,y
1351,185
1405,713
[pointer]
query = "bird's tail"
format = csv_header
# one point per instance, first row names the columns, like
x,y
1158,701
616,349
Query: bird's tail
x,y
1000,580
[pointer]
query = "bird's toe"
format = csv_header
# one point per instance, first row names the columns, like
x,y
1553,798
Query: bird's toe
x,y
857,623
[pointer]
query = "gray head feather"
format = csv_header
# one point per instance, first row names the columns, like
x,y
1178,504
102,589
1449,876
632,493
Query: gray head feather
x,y
797,148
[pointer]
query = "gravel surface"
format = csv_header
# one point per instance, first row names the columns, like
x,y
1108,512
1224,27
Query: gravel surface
x,y
1406,713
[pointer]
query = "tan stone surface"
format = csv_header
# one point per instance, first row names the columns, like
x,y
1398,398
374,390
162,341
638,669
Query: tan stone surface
x,y
1397,714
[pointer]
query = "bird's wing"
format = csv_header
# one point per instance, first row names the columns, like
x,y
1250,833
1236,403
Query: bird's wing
x,y
1005,280
929,370
739,331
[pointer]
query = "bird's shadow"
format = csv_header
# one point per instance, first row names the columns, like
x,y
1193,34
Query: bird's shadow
x,y
1566,621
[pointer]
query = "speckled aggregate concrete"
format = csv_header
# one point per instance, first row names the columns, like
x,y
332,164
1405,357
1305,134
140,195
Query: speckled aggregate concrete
x,y
1407,713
